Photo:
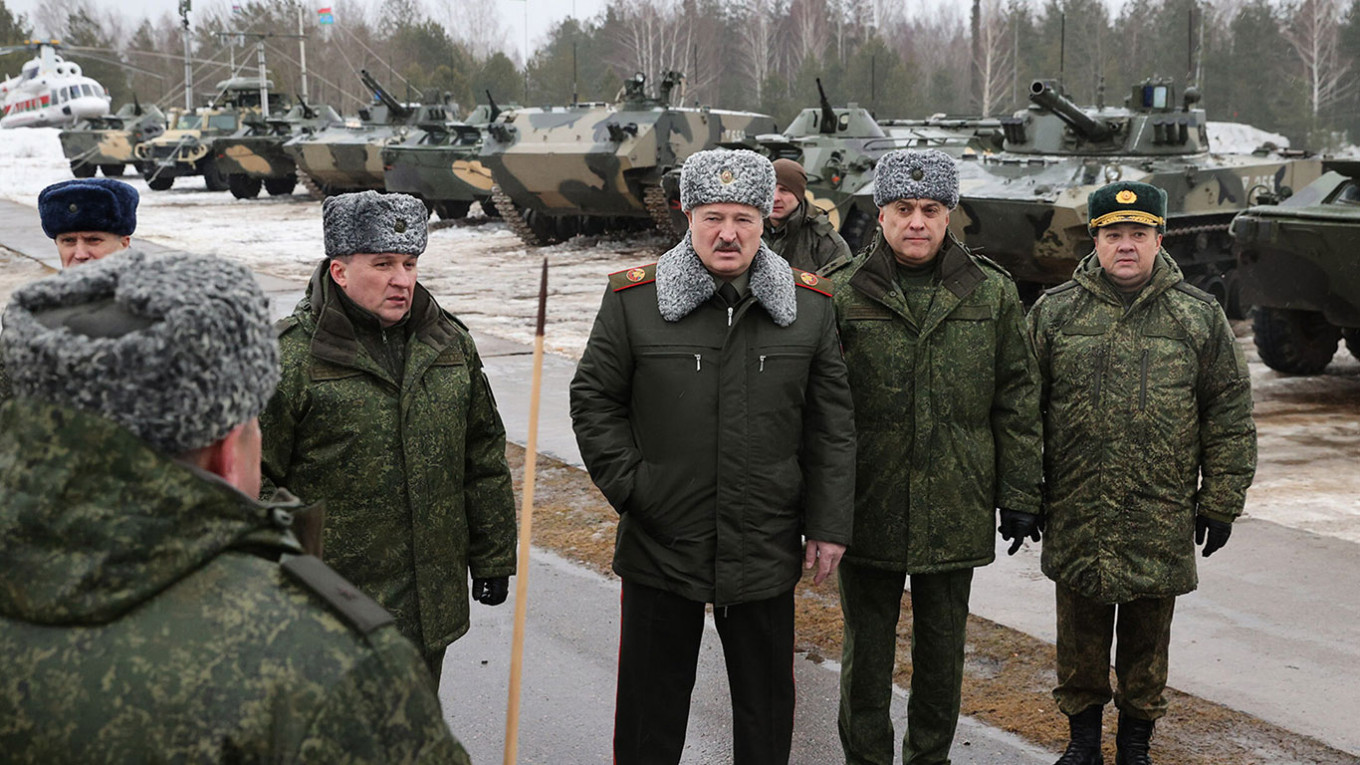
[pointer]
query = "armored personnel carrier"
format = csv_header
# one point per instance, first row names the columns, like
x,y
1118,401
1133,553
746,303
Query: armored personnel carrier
x,y
105,143
587,167
438,162
1026,206
1297,265
253,157
185,147
347,156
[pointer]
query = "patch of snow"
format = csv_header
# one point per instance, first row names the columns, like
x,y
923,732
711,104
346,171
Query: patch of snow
x,y
1240,138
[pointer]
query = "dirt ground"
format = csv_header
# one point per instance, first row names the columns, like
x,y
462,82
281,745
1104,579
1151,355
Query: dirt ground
x,y
1007,675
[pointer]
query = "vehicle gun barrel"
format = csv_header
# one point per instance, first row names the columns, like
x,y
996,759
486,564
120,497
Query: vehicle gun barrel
x,y
828,125
1045,94
397,110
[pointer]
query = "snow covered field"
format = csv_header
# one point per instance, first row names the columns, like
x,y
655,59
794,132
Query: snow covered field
x,y
1309,427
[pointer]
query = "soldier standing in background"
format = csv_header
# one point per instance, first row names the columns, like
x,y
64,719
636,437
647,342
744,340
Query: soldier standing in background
x,y
712,410
385,415
800,233
947,411
1149,447
151,609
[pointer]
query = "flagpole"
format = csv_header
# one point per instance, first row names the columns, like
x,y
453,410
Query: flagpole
x,y
526,531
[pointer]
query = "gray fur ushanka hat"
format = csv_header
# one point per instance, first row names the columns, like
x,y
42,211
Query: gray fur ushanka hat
x,y
907,174
369,222
178,349
719,175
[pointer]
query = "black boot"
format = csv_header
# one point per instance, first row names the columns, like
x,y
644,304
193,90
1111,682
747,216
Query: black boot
x,y
1133,741
1084,746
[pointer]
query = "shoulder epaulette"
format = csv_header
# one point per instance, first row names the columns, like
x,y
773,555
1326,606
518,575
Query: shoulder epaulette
x,y
1065,286
1193,291
457,321
632,277
836,265
812,281
362,612
995,266
282,326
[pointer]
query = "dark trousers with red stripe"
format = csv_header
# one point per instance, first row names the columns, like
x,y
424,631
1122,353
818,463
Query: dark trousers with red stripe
x,y
658,654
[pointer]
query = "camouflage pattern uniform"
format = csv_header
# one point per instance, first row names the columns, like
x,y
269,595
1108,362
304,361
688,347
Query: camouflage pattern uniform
x,y
947,408
150,612
410,462
806,240
1147,413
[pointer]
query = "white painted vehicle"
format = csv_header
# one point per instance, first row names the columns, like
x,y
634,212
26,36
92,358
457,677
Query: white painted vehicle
x,y
49,91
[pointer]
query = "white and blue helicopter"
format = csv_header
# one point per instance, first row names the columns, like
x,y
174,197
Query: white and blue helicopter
x,y
49,90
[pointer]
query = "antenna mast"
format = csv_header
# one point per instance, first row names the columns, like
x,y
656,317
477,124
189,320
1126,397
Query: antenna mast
x,y
184,8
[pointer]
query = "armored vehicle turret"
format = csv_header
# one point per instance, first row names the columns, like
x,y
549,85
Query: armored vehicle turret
x,y
1026,206
253,156
185,147
1297,265
106,143
438,162
589,166
347,156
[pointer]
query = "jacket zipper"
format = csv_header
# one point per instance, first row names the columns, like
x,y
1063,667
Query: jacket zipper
x,y
1100,376
1142,393
729,316
698,361
762,363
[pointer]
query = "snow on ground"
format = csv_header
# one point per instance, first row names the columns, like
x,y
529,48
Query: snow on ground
x,y
1239,138
1308,427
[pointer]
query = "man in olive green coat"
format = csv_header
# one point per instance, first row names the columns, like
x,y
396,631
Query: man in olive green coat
x,y
947,407
385,415
151,609
800,233
1149,444
712,410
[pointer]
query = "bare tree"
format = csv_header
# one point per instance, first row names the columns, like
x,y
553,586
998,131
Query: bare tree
x,y
992,62
657,35
1313,32
476,24
756,31
807,30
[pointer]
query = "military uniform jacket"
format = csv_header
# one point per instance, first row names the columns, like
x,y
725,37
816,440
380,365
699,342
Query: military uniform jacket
x,y
413,476
947,408
806,241
150,612
720,436
1147,421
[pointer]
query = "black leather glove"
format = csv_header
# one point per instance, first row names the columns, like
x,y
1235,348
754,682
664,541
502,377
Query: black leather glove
x,y
1218,533
492,590
1015,526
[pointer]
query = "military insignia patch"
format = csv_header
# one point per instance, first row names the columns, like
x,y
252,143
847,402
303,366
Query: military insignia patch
x,y
917,174
726,177
73,207
1126,197
636,274
808,279
399,226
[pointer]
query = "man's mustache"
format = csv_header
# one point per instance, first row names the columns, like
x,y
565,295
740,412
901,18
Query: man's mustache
x,y
727,247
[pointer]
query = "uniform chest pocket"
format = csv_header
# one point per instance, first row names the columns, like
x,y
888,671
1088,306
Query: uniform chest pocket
x,y
1168,367
868,312
450,357
322,371
970,313
675,359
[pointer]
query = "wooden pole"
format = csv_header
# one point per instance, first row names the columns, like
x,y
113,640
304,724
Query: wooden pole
x,y
526,528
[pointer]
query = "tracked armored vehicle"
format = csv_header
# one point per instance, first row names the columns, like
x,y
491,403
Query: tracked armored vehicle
x,y
347,156
589,167
438,163
106,143
1298,265
1026,206
185,147
253,157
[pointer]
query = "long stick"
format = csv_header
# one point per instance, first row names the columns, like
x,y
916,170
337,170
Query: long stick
x,y
526,529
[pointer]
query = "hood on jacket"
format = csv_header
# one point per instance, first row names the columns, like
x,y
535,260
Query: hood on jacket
x,y
95,522
683,283
1091,275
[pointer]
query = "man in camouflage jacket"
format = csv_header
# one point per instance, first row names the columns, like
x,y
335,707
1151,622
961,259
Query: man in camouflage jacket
x,y
385,415
947,412
800,233
1149,444
151,609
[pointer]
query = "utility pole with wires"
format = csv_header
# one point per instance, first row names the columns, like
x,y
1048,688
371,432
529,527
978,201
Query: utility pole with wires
x,y
184,8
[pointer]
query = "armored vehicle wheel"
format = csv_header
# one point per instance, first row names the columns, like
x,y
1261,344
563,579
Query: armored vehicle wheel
x,y
243,186
452,210
281,187
160,183
317,191
83,170
112,171
518,220
1295,342
489,207
658,206
213,177
1352,337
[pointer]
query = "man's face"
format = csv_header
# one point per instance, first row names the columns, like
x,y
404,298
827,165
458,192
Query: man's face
x,y
1127,252
914,229
381,284
727,237
76,247
785,202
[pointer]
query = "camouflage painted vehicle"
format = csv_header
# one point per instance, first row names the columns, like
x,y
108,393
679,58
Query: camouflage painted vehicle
x,y
588,167
185,147
106,143
1026,207
1298,266
254,157
438,163
347,156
